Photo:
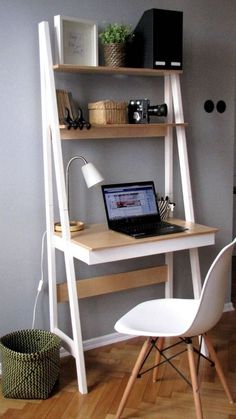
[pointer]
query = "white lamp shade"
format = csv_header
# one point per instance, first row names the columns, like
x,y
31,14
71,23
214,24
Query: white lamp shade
x,y
91,175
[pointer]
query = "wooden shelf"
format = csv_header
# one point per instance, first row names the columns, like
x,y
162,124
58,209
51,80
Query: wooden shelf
x,y
67,68
117,131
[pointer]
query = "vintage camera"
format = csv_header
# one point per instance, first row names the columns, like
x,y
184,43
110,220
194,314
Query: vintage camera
x,y
140,110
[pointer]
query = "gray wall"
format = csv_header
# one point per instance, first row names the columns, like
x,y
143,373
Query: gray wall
x,y
209,73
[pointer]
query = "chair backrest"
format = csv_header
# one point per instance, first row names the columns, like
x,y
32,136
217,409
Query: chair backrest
x,y
212,299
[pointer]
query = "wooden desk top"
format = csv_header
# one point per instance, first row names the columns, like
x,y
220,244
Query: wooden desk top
x,y
98,236
97,244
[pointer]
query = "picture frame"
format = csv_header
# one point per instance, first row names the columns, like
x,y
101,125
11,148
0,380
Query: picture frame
x,y
76,41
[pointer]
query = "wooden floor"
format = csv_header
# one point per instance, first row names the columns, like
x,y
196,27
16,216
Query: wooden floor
x,y
108,369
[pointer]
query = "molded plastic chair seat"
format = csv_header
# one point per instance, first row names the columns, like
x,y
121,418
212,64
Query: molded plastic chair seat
x,y
182,318
164,317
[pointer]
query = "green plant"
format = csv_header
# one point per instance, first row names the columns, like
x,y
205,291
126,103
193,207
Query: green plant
x,y
116,33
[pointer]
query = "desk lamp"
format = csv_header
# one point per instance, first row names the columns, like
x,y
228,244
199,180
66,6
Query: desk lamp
x,y
92,177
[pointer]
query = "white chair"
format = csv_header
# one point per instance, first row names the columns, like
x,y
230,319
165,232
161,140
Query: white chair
x,y
182,318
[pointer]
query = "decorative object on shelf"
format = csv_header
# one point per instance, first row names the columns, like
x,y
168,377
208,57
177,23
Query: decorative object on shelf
x,y
76,41
140,110
92,177
65,100
108,112
115,39
77,122
158,41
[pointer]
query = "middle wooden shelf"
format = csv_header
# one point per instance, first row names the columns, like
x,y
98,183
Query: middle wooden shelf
x,y
117,131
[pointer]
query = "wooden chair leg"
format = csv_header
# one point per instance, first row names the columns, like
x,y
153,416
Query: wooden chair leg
x,y
218,367
195,386
160,344
133,377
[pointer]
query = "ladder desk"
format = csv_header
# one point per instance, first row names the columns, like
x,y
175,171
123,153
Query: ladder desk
x,y
97,244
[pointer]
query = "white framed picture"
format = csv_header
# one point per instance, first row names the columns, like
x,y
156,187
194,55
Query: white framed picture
x,y
76,41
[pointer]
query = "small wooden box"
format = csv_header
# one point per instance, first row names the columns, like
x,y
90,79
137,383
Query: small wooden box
x,y
107,112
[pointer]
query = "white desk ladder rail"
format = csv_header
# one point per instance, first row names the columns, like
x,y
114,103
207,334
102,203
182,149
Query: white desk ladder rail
x,y
53,152
173,99
52,143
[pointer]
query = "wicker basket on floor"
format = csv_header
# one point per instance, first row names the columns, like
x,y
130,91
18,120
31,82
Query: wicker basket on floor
x,y
30,364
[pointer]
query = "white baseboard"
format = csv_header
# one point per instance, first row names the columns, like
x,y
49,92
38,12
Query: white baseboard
x,y
113,338
100,341
117,337
104,340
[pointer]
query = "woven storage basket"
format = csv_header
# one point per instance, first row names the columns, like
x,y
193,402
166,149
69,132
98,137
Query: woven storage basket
x,y
30,364
107,112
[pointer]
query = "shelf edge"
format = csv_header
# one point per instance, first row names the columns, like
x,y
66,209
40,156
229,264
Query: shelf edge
x,y
68,68
118,131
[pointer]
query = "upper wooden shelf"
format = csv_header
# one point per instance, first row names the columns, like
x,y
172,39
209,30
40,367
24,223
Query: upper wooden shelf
x,y
117,131
67,68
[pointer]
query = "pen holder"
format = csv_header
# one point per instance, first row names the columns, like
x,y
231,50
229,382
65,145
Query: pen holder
x,y
166,208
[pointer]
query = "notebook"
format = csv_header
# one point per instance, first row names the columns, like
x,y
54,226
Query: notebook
x,y
132,208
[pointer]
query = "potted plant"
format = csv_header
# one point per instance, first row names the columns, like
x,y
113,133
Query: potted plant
x,y
114,39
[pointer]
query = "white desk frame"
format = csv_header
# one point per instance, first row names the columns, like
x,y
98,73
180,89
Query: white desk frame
x,y
106,253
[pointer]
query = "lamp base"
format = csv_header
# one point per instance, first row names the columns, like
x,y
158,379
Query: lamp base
x,y
74,226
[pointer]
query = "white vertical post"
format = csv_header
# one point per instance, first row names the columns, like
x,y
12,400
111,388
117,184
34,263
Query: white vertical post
x,y
169,176
50,115
196,273
182,148
168,140
185,177
47,159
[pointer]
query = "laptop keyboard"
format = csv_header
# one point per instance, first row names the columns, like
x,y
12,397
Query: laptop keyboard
x,y
150,229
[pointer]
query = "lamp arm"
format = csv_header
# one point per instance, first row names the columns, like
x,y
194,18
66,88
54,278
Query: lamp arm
x,y
67,177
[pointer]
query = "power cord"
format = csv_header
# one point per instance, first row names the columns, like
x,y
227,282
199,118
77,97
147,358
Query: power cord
x,y
40,285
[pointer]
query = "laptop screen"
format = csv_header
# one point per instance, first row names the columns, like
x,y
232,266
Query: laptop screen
x,y
130,200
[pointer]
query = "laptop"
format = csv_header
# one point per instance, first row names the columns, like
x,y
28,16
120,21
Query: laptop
x,y
132,208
